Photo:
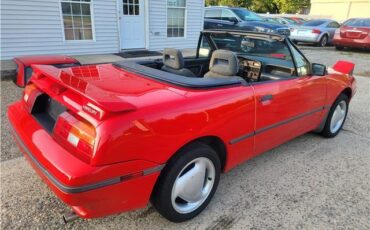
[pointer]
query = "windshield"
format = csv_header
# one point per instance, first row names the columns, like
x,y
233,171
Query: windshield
x,y
273,20
246,15
291,21
314,23
361,22
249,46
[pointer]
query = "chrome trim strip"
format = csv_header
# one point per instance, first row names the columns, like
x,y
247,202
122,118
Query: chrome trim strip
x,y
264,129
83,188
238,139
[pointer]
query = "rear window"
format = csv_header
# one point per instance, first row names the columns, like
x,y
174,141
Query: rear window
x,y
213,14
290,20
361,22
314,23
246,15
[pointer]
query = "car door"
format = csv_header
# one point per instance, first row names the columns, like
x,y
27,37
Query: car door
x,y
290,107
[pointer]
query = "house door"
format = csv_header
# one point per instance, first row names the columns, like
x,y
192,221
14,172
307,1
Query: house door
x,y
132,24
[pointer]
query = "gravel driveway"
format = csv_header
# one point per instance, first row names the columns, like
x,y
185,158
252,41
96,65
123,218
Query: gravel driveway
x,y
308,183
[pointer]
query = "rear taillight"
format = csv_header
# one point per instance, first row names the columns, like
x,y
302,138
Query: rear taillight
x,y
316,31
76,133
28,91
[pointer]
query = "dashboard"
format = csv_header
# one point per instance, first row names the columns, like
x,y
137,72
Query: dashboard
x,y
250,69
256,70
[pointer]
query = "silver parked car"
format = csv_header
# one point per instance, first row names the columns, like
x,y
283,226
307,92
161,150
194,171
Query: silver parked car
x,y
319,31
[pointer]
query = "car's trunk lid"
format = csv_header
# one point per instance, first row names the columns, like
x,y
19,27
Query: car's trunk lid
x,y
105,86
354,32
303,30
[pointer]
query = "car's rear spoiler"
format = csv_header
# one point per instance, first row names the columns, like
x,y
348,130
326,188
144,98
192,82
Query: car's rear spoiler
x,y
87,93
344,67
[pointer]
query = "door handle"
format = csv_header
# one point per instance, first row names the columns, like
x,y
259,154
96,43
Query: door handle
x,y
220,25
267,97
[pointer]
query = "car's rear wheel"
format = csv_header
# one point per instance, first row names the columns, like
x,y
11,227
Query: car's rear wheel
x,y
336,117
323,41
187,183
339,47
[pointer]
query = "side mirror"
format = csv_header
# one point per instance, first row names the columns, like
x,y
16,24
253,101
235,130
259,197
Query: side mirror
x,y
234,20
318,69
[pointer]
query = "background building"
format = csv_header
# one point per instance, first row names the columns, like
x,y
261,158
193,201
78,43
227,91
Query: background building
x,y
340,9
97,26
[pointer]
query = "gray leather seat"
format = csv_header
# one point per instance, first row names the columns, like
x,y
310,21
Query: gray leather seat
x,y
173,62
224,63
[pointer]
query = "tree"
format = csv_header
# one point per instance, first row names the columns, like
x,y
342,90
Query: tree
x,y
236,3
264,6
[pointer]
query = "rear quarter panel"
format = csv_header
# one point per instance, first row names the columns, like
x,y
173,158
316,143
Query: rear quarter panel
x,y
337,83
157,132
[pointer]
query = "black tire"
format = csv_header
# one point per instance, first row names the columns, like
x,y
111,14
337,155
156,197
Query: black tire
x,y
161,196
339,47
327,131
323,41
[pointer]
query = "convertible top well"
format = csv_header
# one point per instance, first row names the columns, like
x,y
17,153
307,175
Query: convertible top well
x,y
140,67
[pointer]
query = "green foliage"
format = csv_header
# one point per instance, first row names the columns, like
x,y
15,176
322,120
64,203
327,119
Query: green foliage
x,y
264,6
240,3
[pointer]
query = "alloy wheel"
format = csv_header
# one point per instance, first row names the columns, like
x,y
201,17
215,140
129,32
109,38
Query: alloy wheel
x,y
338,116
193,185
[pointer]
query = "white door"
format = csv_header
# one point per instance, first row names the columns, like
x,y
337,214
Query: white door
x,y
132,23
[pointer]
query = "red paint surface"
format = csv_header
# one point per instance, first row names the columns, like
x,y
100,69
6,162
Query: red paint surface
x,y
45,60
26,61
145,122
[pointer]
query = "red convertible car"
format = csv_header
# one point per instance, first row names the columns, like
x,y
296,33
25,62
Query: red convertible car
x,y
110,138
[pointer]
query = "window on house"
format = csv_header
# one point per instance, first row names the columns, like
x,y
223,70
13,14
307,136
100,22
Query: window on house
x,y
176,18
131,7
77,19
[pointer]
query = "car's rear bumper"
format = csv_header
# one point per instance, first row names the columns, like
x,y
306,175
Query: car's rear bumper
x,y
300,38
91,191
348,42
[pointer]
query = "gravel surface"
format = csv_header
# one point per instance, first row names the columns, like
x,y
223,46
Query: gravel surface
x,y
329,56
9,93
308,183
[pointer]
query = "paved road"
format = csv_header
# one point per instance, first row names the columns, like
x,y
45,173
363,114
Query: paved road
x,y
308,183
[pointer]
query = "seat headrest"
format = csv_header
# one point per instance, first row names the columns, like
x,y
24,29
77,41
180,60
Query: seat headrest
x,y
224,62
173,58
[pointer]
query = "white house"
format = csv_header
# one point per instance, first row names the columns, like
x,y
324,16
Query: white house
x,y
97,26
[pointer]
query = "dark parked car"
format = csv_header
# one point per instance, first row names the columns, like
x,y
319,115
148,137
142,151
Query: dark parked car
x,y
217,17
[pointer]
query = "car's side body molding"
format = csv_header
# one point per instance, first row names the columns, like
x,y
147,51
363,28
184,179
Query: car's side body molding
x,y
248,135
